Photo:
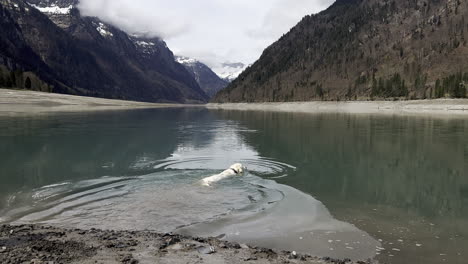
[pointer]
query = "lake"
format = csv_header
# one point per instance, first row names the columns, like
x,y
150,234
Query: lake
x,y
390,187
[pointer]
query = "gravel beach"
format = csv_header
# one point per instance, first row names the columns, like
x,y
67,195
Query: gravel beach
x,y
29,102
437,107
39,244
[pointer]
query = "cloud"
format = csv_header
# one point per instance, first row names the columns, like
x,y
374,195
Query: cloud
x,y
212,31
148,17
284,15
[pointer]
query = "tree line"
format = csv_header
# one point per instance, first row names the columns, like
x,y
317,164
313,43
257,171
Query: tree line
x,y
18,79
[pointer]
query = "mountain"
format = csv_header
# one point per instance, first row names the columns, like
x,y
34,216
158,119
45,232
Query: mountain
x,y
230,70
47,45
209,82
364,49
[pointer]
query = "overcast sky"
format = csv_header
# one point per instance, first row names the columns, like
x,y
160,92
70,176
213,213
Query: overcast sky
x,y
212,31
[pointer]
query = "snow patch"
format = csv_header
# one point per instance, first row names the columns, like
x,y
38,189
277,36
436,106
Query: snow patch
x,y
144,43
185,60
54,9
145,46
104,30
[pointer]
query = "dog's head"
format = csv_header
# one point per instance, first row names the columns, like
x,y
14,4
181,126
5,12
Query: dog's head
x,y
238,168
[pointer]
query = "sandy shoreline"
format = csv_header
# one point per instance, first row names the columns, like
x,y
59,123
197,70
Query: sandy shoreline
x,y
38,244
30,102
438,106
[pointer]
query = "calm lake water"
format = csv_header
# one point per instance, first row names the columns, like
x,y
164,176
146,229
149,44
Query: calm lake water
x,y
394,188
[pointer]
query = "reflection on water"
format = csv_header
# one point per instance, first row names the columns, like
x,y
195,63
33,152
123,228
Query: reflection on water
x,y
400,179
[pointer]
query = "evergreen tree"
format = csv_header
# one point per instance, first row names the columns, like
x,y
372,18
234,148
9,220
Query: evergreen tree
x,y
8,82
12,80
319,91
27,83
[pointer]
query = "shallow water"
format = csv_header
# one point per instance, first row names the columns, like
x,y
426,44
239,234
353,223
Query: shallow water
x,y
347,186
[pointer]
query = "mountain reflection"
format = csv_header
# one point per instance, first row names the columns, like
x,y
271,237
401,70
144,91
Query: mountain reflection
x,y
40,150
407,162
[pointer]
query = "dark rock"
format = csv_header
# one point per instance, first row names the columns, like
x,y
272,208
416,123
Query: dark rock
x,y
250,259
128,259
222,245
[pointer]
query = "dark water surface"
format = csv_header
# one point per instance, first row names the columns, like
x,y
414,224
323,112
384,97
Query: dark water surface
x,y
349,186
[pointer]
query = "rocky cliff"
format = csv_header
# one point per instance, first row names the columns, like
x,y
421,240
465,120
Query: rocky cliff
x,y
47,45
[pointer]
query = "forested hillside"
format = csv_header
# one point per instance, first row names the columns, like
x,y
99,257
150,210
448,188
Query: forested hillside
x,y
364,49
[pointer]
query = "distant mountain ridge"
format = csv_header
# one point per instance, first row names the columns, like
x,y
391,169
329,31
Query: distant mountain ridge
x,y
229,71
364,49
209,81
48,45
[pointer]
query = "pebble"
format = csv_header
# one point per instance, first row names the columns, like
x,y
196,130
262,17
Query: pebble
x,y
222,245
418,245
206,250
176,247
293,255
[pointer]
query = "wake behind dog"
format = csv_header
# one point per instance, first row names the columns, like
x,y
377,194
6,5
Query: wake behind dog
x,y
235,170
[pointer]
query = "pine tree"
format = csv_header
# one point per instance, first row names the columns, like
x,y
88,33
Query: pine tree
x,y
27,83
8,82
12,80
2,80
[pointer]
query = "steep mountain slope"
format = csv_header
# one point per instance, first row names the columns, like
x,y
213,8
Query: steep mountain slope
x,y
361,49
209,82
84,56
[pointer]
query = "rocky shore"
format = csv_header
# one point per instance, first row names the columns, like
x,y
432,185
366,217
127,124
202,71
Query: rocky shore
x,y
40,244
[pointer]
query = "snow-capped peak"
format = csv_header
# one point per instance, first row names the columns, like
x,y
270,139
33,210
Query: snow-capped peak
x,y
230,71
227,71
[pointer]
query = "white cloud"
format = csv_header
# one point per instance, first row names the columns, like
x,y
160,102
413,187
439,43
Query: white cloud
x,y
213,31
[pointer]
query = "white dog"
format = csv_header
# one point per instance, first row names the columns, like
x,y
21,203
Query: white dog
x,y
236,169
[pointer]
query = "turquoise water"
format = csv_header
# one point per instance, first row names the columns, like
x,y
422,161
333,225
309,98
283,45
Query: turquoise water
x,y
394,188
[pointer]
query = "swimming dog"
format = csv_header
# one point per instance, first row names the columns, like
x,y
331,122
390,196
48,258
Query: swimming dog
x,y
236,169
